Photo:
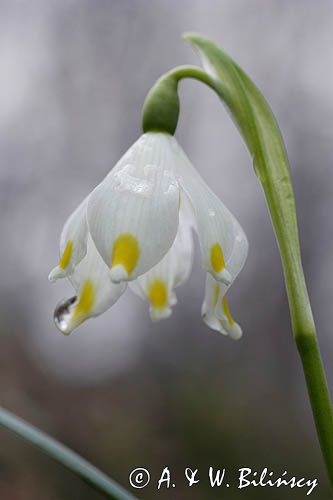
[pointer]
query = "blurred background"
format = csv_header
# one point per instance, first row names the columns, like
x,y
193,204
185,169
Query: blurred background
x,y
120,390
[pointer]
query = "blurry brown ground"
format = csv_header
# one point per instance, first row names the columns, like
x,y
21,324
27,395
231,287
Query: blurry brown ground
x,y
121,391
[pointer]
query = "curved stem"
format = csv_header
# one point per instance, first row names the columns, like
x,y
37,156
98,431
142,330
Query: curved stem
x,y
259,129
186,71
71,460
161,107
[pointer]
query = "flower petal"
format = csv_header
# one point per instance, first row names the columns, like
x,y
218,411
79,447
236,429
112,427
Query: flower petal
x,y
223,242
95,292
158,284
215,310
133,213
73,243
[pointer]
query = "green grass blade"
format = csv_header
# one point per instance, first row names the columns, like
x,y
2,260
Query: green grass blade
x,y
71,460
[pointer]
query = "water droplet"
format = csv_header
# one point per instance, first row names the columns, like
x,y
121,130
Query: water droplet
x,y
62,314
126,179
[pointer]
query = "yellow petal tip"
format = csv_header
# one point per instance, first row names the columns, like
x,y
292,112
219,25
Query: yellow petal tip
x,y
125,252
158,294
67,255
217,258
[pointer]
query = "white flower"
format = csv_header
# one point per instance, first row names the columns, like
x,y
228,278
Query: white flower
x,y
136,226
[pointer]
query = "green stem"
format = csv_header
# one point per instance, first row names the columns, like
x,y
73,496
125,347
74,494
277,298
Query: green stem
x,y
319,396
81,467
303,326
161,107
306,340
261,134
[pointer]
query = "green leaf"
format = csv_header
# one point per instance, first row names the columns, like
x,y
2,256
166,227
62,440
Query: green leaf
x,y
258,127
65,456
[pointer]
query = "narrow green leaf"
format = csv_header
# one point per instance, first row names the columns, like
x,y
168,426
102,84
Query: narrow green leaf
x,y
256,122
68,458
257,125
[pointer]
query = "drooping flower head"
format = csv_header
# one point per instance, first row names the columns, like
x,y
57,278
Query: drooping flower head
x,y
136,227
